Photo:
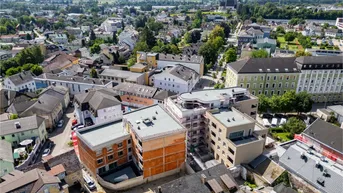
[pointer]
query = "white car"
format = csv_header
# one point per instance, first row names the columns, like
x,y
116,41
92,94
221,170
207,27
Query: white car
x,y
46,152
274,122
266,123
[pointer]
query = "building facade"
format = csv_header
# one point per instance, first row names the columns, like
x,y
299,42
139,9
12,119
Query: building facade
x,y
6,158
20,82
267,76
322,77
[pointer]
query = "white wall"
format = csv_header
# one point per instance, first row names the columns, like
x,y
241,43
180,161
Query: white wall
x,y
174,84
31,86
109,114
194,66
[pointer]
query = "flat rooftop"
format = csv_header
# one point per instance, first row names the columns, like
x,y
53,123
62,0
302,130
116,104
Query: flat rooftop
x,y
337,109
121,74
307,170
213,94
98,136
231,117
152,121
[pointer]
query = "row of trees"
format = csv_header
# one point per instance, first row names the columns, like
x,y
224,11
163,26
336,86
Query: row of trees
x,y
272,11
288,102
31,55
34,68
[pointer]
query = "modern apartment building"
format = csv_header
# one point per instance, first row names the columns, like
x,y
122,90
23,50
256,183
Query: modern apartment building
x,y
189,109
104,147
158,141
234,137
322,77
267,76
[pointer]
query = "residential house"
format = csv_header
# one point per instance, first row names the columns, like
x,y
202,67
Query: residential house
x,y
135,95
333,33
47,106
22,82
112,24
178,79
267,76
76,31
160,61
9,38
4,55
128,37
59,38
6,158
50,48
321,76
100,106
60,92
58,60
338,112
36,180
120,76
104,147
251,33
339,23
7,97
158,141
17,130
75,84
103,34
24,34
267,44
65,166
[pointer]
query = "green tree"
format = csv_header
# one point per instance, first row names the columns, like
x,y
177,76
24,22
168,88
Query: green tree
x,y
132,61
93,73
260,54
290,36
303,102
92,35
36,70
13,116
294,126
148,37
27,67
226,28
95,48
288,101
230,55
302,53
275,103
263,104
280,30
217,32
3,30
114,38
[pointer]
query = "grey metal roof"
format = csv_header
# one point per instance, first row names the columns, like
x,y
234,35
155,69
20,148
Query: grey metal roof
x,y
146,91
281,188
45,104
120,73
192,183
163,94
265,65
181,58
159,122
337,109
307,170
183,72
99,99
6,152
52,77
320,60
26,123
326,133
266,40
21,78
100,135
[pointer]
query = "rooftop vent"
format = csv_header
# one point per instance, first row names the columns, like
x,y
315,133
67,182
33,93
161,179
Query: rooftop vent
x,y
138,122
268,69
260,70
228,120
17,125
139,128
286,69
276,69
153,118
233,118
156,112
317,164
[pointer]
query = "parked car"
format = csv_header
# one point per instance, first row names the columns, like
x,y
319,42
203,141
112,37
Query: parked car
x,y
267,116
75,126
89,181
283,121
60,123
274,122
46,152
266,123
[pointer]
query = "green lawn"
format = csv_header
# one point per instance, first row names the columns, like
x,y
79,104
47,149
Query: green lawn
x,y
282,136
281,39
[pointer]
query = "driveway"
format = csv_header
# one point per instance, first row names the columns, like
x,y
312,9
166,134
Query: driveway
x,y
61,136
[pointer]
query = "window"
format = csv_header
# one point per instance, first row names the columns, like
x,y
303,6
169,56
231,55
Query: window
x,y
109,149
129,149
99,161
274,77
112,165
213,143
278,92
273,85
267,85
120,145
2,137
248,85
13,135
129,141
268,78
120,153
213,134
22,133
214,125
265,92
231,151
261,85
280,84
130,157
99,152
236,134
253,113
229,158
110,157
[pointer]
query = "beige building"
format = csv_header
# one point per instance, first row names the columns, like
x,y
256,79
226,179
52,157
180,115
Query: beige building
x,y
233,136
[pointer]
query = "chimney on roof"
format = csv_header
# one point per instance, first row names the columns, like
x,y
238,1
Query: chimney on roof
x,y
46,166
203,178
159,189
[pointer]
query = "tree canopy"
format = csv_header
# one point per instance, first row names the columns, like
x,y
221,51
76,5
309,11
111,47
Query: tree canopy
x,y
260,54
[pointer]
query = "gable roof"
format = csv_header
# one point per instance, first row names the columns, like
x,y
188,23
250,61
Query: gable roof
x,y
320,60
21,78
326,133
183,72
26,123
99,99
261,65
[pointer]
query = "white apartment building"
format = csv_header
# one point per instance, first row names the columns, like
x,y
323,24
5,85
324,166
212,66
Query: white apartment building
x,y
178,79
112,24
189,109
59,38
23,81
100,106
321,76
75,84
